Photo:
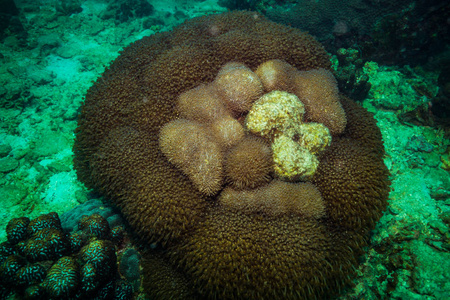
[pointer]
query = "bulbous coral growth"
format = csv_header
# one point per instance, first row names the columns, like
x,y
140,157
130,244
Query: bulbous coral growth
x,y
292,161
276,75
222,242
16,230
201,104
277,198
249,164
62,278
188,145
320,86
276,113
95,225
278,116
238,86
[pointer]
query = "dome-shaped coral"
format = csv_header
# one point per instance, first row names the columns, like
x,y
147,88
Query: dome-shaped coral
x,y
275,114
238,86
320,86
248,164
227,131
128,148
201,104
276,75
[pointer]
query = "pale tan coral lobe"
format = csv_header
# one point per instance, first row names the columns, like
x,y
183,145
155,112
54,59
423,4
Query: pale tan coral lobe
x,y
215,149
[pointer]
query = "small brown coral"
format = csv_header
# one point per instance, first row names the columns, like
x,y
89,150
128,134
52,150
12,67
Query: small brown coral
x,y
227,131
248,164
276,75
201,104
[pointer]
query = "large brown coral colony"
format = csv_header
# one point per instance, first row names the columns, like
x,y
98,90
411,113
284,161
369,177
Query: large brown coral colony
x,y
227,141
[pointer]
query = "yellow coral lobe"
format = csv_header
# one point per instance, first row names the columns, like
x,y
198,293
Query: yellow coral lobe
x,y
238,86
274,113
293,162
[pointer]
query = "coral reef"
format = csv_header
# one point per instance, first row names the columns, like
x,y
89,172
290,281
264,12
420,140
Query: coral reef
x,y
41,261
138,142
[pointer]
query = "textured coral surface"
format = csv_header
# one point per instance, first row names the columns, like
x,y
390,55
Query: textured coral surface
x,y
212,250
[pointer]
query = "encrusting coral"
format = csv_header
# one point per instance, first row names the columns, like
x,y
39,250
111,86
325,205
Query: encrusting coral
x,y
161,135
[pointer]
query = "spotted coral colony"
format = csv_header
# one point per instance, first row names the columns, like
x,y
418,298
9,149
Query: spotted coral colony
x,y
41,261
245,162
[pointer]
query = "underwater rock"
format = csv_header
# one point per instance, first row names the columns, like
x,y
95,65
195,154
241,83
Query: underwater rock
x,y
8,164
